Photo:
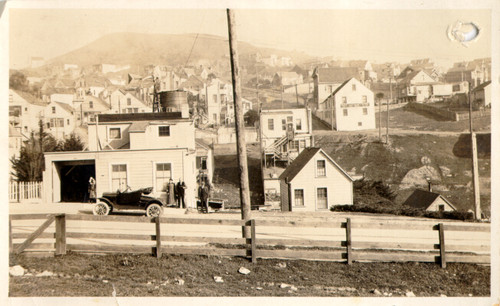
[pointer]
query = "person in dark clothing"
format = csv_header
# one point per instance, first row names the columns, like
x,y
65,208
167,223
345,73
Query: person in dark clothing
x,y
180,189
203,193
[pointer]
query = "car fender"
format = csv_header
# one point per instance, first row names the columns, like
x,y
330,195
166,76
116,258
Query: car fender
x,y
105,200
155,201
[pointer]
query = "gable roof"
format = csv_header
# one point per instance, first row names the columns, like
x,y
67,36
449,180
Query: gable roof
x,y
302,159
423,199
30,98
65,106
481,86
336,74
340,87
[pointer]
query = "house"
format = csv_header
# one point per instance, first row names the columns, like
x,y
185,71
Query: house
x,y
88,107
429,201
25,111
350,107
284,133
326,80
228,110
15,144
481,95
287,78
63,95
416,86
216,94
122,101
314,182
475,72
59,119
136,150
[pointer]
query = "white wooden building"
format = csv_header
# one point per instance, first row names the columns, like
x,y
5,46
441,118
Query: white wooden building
x,y
314,182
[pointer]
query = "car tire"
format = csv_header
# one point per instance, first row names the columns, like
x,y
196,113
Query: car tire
x,y
154,210
101,209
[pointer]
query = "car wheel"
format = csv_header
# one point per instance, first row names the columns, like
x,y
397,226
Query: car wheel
x,y
101,209
154,210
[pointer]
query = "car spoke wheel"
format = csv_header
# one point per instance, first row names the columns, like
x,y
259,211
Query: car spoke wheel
x,y
101,209
154,210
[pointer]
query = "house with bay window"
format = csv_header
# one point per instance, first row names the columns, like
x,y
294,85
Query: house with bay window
x,y
59,119
133,150
314,182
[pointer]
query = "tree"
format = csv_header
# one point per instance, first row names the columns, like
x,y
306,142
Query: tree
x,y
72,143
28,167
18,81
251,117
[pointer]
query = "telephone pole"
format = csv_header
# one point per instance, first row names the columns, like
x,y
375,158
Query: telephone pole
x,y
387,125
239,123
475,167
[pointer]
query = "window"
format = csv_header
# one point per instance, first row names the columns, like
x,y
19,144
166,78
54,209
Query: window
x,y
299,197
353,87
365,111
283,124
119,177
330,88
25,109
67,121
215,98
56,122
91,104
345,112
163,175
321,168
115,133
364,99
270,124
441,207
164,131
322,198
298,124
344,99
129,101
53,109
289,119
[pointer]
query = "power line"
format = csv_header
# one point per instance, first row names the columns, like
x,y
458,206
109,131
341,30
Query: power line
x,y
196,38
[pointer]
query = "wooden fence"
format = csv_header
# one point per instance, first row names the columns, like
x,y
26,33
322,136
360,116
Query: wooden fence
x,y
344,240
19,191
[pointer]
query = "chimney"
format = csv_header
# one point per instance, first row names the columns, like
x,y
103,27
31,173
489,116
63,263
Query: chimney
x,y
429,184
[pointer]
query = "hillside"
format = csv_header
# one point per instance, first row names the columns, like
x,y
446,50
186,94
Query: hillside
x,y
170,49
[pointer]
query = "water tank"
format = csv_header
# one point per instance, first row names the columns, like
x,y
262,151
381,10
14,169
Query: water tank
x,y
173,101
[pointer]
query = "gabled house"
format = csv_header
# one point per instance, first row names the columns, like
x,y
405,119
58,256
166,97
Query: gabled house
x,y
314,182
416,86
287,78
326,80
121,101
25,111
137,150
429,201
59,119
350,107
88,107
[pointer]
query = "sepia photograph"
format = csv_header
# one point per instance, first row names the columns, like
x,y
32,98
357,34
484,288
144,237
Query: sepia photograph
x,y
238,150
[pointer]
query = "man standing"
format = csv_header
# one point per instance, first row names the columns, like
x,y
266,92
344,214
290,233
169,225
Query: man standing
x,y
203,195
180,188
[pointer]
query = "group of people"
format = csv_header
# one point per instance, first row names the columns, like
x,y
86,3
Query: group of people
x,y
175,193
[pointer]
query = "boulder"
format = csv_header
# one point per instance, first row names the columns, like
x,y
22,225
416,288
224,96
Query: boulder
x,y
16,270
244,271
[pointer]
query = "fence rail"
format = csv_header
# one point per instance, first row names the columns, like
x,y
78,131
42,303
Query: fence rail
x,y
19,191
344,240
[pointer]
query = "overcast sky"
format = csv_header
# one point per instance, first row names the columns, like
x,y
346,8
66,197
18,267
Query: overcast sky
x,y
376,35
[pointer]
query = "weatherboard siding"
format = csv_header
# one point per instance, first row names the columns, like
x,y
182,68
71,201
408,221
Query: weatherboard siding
x,y
339,187
435,205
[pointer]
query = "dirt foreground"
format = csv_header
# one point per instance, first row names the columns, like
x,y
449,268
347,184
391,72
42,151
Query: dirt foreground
x,y
172,275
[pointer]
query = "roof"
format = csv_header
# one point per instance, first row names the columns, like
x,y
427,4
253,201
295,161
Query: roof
x,y
13,132
29,98
423,199
340,87
66,107
336,74
200,143
304,157
481,86
138,126
139,117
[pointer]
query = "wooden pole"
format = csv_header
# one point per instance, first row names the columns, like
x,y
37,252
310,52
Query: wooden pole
x,y
239,123
348,241
297,94
442,250
475,166
387,126
60,234
253,241
380,120
158,237
11,249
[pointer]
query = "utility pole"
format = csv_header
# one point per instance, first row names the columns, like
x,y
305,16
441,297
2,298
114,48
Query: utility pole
x,y
257,87
282,105
240,131
297,94
380,120
475,167
387,126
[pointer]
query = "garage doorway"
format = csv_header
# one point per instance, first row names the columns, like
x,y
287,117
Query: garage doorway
x,y
74,177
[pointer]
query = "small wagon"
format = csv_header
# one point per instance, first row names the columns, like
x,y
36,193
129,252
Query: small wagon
x,y
129,200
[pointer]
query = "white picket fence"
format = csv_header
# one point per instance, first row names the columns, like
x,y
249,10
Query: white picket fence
x,y
19,191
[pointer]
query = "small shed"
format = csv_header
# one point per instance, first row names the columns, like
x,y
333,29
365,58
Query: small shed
x,y
429,201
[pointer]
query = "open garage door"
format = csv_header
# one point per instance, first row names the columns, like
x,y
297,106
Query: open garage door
x,y
74,178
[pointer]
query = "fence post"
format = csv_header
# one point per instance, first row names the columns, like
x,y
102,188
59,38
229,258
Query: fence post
x,y
60,234
253,241
158,237
442,250
11,247
348,240
18,193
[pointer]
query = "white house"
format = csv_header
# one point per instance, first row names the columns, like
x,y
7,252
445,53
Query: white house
x,y
59,119
122,101
137,150
25,111
481,95
416,86
228,109
216,94
88,107
350,107
314,182
326,80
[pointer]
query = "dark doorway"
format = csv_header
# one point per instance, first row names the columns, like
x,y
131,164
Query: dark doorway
x,y
75,182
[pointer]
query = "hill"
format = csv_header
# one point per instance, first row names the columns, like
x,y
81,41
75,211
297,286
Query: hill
x,y
170,49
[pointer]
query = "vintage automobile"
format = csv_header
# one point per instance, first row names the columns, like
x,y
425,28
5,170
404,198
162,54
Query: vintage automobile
x,y
129,200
